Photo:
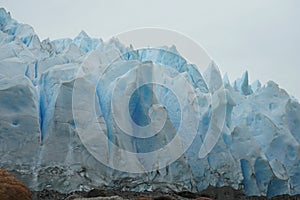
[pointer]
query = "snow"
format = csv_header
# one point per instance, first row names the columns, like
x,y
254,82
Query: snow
x,y
240,134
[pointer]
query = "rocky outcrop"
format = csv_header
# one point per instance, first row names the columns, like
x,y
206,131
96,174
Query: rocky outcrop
x,y
11,188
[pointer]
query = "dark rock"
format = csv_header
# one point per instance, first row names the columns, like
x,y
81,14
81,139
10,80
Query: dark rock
x,y
48,195
286,197
187,194
223,193
203,198
100,193
164,198
211,193
257,198
73,197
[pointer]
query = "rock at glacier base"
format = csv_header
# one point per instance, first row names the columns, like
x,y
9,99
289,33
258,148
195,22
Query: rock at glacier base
x,y
12,188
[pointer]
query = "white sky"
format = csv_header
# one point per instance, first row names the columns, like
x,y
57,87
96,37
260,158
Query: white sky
x,y
261,36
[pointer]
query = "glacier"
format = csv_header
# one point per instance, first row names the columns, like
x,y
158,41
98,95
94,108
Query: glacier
x,y
258,149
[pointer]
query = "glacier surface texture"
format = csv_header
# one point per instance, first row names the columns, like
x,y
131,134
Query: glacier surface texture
x,y
258,149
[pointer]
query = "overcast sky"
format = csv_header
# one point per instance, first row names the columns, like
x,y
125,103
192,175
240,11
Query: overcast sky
x,y
261,36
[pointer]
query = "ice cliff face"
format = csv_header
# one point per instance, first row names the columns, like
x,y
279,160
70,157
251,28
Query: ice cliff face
x,y
258,148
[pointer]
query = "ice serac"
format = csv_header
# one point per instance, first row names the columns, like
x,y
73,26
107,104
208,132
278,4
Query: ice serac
x,y
19,123
212,77
257,146
256,85
242,84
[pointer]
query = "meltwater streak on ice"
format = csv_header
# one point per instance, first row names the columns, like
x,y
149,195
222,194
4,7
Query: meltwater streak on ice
x,y
258,149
